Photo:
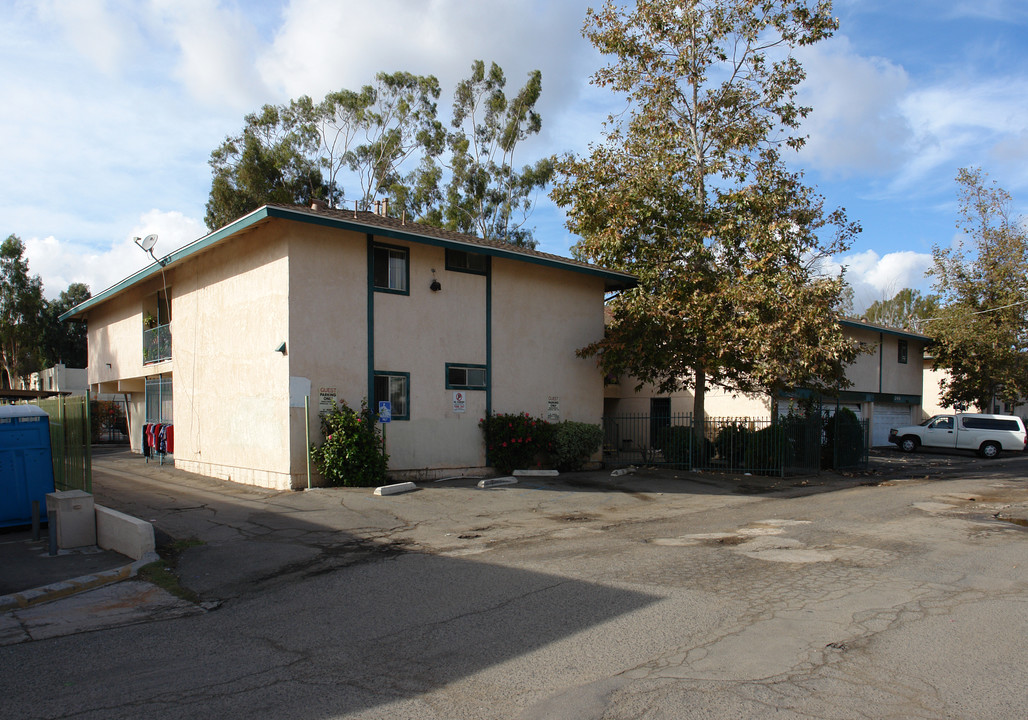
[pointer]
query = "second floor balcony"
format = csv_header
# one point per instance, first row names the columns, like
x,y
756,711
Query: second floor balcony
x,y
156,344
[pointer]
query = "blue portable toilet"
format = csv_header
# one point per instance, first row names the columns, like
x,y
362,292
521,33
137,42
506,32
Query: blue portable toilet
x,y
26,465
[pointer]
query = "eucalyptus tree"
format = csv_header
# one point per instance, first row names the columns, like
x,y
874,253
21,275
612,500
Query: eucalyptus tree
x,y
476,188
689,191
21,313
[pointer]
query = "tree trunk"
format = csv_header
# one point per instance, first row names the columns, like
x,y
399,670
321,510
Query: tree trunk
x,y
698,414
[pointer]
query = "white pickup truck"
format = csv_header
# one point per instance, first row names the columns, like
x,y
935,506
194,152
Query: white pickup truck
x,y
986,434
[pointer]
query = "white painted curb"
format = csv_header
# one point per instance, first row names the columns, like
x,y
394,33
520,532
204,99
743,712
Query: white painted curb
x,y
395,489
496,482
536,473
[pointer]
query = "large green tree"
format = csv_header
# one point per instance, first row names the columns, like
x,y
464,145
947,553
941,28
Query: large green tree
x,y
908,309
981,332
386,141
21,313
64,342
475,187
370,135
689,192
268,162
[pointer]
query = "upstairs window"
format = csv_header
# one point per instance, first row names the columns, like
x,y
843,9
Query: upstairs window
x,y
465,377
902,353
463,261
392,269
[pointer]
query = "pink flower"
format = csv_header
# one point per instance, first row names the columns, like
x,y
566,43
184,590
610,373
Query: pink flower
x,y
504,444
329,437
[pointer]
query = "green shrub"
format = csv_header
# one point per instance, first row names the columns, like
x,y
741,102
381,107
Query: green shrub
x,y
352,453
515,440
732,441
677,446
843,440
765,451
574,443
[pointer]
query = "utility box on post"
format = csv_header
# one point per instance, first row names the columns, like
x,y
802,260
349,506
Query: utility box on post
x,y
75,516
26,465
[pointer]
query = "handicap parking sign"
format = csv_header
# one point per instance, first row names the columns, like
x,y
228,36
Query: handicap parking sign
x,y
385,411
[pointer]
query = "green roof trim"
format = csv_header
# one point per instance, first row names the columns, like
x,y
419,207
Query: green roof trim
x,y
380,227
905,334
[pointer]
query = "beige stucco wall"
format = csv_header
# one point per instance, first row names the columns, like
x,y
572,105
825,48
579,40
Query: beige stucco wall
x,y
541,316
231,389
623,398
418,334
896,377
327,342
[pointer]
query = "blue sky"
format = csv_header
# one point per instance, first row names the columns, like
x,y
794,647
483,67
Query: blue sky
x,y
112,107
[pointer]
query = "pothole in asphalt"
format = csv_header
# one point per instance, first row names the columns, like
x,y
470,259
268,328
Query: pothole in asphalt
x,y
1016,521
574,517
729,540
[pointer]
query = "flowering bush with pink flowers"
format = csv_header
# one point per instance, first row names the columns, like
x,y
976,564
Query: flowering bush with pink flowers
x,y
352,452
516,441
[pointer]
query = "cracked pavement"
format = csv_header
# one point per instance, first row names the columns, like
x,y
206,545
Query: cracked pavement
x,y
898,593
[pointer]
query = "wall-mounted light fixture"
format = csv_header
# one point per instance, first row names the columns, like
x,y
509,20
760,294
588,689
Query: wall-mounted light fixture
x,y
435,286
281,348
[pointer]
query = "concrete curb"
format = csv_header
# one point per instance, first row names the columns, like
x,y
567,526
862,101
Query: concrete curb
x,y
56,591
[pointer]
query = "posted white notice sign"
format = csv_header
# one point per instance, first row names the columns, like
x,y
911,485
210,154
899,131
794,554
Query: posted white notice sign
x,y
459,402
553,409
327,399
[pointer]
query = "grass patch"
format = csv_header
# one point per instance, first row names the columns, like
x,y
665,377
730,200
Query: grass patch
x,y
163,576
163,573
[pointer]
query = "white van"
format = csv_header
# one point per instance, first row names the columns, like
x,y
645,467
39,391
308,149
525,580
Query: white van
x,y
986,434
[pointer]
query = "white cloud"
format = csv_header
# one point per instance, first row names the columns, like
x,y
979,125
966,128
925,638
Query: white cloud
x,y
62,262
879,277
104,35
856,124
218,49
322,46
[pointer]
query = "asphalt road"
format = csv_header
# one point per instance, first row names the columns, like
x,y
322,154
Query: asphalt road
x,y
900,595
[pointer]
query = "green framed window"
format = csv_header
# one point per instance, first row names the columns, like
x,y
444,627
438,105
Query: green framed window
x,y
468,262
462,376
392,269
394,387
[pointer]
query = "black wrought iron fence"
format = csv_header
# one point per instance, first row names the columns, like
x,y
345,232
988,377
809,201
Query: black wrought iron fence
x,y
754,445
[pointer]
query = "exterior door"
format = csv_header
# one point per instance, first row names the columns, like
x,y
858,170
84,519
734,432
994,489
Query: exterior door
x,y
660,418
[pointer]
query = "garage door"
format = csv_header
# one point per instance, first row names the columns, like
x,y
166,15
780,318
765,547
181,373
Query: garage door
x,y
888,415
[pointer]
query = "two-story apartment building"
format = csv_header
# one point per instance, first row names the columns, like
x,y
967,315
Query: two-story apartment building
x,y
229,338
886,386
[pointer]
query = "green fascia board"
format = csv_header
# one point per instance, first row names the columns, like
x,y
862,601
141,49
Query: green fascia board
x,y
905,334
183,252
615,280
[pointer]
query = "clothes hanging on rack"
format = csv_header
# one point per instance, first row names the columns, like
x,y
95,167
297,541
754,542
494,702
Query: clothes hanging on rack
x,y
158,439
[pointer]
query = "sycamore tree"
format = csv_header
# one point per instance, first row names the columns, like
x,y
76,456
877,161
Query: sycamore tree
x,y
689,191
21,313
981,332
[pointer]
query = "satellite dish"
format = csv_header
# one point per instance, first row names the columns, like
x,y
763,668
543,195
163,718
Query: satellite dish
x,y
148,242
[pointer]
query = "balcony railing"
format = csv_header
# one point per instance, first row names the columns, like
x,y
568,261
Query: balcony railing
x,y
156,344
